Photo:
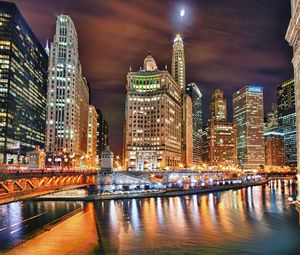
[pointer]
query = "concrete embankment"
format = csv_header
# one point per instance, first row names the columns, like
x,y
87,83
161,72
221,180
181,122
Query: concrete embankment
x,y
161,193
73,235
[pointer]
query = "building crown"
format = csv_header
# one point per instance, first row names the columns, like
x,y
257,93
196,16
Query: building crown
x,y
178,39
149,63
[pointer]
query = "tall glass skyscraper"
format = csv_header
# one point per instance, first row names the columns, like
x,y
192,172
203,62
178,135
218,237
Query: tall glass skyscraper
x,y
23,86
102,133
287,119
194,92
68,94
248,114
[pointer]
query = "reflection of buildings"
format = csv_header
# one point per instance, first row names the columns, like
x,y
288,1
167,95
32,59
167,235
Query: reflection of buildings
x,y
274,149
92,137
68,94
152,137
248,115
220,135
23,86
287,119
292,36
196,96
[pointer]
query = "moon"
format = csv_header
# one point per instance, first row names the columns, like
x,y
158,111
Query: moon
x,y
182,12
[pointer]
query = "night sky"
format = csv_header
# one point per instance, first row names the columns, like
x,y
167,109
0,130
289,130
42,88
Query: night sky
x,y
228,44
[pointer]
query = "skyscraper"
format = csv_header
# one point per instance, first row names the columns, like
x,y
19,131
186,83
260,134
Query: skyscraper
x,y
68,94
292,36
196,96
272,119
274,149
92,137
248,115
218,106
178,73
178,62
287,119
23,86
220,134
152,139
187,131
102,133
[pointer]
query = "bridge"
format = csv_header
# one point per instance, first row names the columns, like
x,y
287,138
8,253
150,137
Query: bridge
x,y
23,184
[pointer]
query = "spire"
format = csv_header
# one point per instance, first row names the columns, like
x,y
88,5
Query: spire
x,y
178,39
47,48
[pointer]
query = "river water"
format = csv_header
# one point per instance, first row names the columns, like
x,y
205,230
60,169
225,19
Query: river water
x,y
254,220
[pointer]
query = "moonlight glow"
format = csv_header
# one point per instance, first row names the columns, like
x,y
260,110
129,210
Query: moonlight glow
x,y
182,13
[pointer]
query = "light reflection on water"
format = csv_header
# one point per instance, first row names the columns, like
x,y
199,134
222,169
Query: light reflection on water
x,y
254,220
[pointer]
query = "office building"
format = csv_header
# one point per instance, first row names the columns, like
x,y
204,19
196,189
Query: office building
x,y
218,106
178,62
178,74
274,149
23,87
248,115
102,133
194,92
68,95
220,134
287,120
272,119
153,110
92,138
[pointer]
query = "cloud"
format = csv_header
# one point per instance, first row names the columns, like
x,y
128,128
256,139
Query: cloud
x,y
227,45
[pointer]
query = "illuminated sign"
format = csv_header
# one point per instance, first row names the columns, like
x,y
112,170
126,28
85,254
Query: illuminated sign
x,y
255,89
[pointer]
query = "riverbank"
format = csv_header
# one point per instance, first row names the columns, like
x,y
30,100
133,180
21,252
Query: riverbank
x,y
160,193
43,229
74,233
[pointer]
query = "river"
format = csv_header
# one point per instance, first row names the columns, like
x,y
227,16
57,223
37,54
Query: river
x,y
254,220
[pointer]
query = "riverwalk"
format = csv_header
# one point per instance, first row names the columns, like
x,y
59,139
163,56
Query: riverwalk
x,y
75,235
159,193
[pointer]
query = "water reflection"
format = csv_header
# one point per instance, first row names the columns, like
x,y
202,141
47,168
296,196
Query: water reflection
x,y
255,220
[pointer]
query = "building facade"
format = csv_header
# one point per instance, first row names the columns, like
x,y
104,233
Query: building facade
x,y
68,94
274,149
292,36
272,119
23,87
220,134
92,137
194,92
218,106
187,132
178,74
248,114
153,110
102,133
178,62
222,149
287,119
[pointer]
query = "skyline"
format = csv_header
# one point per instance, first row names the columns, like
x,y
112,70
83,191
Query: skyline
x,y
213,52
